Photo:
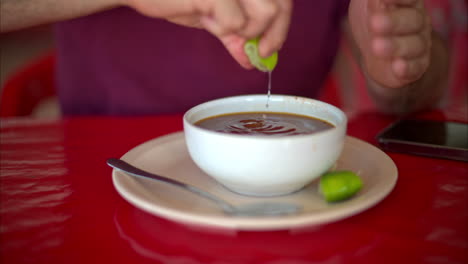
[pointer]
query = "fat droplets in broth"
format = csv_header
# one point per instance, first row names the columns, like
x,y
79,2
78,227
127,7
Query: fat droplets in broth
x,y
264,123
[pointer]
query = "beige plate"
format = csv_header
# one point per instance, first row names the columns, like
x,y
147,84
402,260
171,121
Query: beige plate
x,y
168,156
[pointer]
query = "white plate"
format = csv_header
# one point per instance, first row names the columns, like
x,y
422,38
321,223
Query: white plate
x,y
168,156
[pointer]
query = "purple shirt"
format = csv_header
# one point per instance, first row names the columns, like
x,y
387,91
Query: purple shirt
x,y
121,63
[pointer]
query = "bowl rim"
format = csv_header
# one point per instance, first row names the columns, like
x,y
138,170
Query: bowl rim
x,y
341,125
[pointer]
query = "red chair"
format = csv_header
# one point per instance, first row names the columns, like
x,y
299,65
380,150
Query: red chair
x,y
26,88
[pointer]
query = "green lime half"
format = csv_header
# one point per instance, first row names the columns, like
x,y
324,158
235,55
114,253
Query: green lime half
x,y
339,185
262,64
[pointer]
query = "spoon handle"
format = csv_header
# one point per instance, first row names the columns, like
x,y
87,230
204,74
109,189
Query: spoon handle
x,y
125,167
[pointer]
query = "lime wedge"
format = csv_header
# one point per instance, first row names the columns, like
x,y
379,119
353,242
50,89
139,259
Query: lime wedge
x,y
339,185
262,64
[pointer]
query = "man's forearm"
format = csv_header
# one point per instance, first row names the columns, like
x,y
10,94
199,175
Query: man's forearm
x,y
18,14
421,94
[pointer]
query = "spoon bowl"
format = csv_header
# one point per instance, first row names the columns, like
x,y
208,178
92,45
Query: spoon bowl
x,y
246,210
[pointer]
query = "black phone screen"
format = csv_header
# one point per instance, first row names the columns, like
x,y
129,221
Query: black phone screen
x,y
427,137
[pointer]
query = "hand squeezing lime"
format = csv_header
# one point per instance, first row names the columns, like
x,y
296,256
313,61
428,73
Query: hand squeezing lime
x,y
339,185
262,64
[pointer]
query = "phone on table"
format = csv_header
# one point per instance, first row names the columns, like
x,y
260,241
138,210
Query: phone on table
x,y
438,139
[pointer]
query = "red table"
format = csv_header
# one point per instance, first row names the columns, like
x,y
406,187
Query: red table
x,y
58,205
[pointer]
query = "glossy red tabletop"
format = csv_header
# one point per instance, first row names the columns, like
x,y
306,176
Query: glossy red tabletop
x,y
58,205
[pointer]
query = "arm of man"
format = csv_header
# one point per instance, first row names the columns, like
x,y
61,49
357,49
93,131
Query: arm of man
x,y
19,14
405,62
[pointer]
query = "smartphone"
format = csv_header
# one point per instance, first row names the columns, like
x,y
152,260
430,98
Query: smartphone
x,y
437,139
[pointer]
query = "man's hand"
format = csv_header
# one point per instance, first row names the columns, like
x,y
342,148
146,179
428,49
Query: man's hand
x,y
232,21
394,37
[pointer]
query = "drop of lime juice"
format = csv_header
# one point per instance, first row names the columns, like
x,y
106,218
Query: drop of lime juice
x,y
269,89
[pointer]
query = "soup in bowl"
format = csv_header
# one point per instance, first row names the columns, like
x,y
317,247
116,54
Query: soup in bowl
x,y
257,150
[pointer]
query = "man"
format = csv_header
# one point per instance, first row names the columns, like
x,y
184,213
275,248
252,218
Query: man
x,y
123,57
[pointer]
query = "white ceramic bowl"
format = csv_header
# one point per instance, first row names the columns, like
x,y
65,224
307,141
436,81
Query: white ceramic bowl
x,y
265,165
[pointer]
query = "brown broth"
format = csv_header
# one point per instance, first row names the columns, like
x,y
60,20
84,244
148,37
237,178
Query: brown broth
x,y
264,123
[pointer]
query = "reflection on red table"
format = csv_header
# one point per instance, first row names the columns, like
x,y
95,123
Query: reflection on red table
x,y
58,205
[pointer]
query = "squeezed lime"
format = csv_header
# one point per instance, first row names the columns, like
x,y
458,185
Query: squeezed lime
x,y
263,64
337,186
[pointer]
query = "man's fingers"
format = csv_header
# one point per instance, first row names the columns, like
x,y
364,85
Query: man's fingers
x,y
224,17
406,47
401,2
400,21
395,43
235,46
230,15
246,19
187,20
410,70
260,14
274,37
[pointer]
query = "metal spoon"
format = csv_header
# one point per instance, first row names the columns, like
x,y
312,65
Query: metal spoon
x,y
252,210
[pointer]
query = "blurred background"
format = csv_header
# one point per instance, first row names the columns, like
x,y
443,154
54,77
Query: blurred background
x,y
20,47
18,50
